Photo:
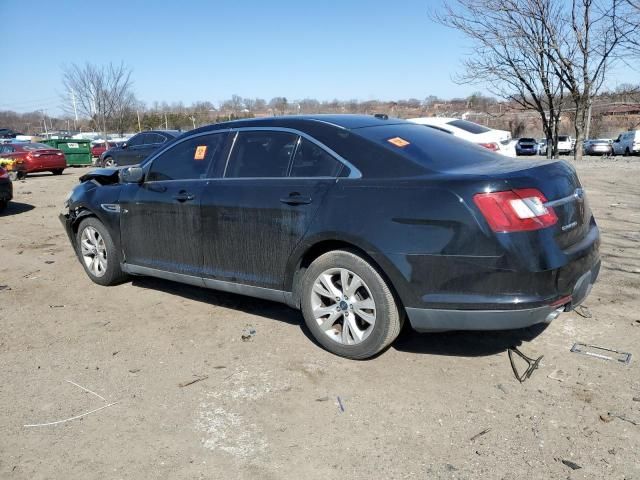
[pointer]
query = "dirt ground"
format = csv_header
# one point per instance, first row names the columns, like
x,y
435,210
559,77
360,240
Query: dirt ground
x,y
277,406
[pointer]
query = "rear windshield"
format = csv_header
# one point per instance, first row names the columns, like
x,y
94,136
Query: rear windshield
x,y
563,138
468,126
427,146
530,140
36,146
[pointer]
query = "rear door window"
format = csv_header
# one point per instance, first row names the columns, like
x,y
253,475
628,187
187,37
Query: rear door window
x,y
261,154
468,126
154,139
139,139
427,147
187,160
312,161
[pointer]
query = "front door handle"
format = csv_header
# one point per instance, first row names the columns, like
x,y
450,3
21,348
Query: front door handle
x,y
296,199
183,196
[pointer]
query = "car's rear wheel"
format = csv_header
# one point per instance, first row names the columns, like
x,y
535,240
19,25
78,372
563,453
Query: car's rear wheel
x,y
109,162
98,253
348,306
627,152
13,176
57,171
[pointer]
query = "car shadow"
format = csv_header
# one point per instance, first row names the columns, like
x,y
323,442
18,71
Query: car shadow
x,y
16,208
459,344
253,306
467,343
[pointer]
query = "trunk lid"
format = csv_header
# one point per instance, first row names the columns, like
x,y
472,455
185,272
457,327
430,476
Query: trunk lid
x,y
555,179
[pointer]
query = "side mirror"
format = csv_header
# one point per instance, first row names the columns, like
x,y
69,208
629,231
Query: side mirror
x,y
131,175
124,145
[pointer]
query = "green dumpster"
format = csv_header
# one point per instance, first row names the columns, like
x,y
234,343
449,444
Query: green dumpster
x,y
76,150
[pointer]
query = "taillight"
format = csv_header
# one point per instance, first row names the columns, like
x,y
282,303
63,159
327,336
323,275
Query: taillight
x,y
517,210
491,146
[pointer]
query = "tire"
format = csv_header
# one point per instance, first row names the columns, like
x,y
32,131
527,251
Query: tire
x,y
57,171
13,176
627,153
3,205
106,270
109,162
363,339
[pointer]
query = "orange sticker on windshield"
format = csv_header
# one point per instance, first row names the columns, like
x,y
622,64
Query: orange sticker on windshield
x,y
201,152
398,142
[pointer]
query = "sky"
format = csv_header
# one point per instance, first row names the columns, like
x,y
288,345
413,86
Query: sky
x,y
193,50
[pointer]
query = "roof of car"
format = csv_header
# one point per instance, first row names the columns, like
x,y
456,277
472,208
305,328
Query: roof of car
x,y
346,121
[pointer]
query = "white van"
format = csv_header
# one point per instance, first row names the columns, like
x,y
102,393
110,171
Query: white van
x,y
627,143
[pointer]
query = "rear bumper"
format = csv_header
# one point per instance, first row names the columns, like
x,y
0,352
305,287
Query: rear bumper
x,y
433,320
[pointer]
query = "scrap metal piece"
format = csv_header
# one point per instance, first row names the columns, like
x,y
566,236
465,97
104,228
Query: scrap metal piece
x,y
532,364
586,349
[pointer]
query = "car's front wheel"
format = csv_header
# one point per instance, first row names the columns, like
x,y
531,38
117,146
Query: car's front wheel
x,y
98,253
348,306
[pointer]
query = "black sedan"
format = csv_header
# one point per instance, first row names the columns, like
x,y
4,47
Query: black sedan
x,y
6,189
137,148
526,146
359,221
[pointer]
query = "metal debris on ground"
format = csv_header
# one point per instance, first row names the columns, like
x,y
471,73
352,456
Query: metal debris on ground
x,y
322,399
558,375
340,404
57,422
478,435
532,364
623,418
248,333
596,351
571,465
583,311
197,379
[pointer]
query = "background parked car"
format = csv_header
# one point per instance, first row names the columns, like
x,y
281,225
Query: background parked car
x,y
627,143
6,189
15,167
137,148
565,144
542,146
526,146
97,149
598,146
494,140
37,157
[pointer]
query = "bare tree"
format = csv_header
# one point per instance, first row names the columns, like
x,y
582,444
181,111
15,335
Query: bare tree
x,y
102,93
584,40
509,56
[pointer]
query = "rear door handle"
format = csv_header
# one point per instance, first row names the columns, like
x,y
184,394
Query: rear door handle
x,y
296,199
184,197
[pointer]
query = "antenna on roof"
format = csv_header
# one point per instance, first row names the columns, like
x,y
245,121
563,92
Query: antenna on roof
x,y
381,116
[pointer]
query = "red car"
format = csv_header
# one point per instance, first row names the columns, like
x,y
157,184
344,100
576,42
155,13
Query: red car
x,y
99,148
37,157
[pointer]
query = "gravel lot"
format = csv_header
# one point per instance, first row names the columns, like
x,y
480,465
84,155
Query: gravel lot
x,y
269,406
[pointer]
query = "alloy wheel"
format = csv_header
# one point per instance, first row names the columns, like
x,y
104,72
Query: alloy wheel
x,y
343,306
94,251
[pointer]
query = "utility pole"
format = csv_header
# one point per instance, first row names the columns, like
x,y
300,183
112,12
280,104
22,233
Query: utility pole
x,y
75,110
138,114
166,122
44,120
